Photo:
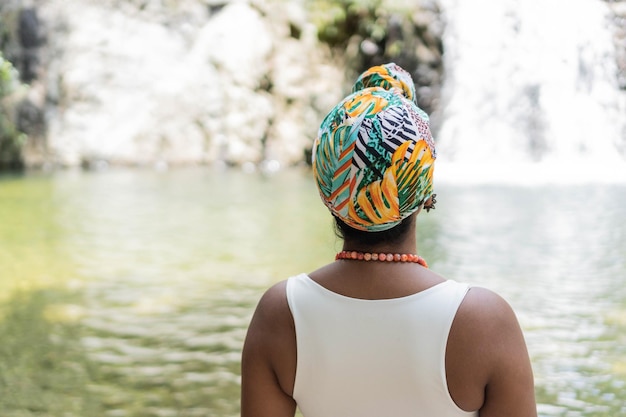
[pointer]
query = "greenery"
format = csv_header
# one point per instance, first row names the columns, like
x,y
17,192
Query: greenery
x,y
338,21
382,23
369,32
11,139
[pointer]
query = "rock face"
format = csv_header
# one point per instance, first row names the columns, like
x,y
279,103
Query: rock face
x,y
147,82
192,81
618,9
209,83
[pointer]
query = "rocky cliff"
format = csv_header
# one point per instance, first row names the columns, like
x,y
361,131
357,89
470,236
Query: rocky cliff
x,y
197,81
149,82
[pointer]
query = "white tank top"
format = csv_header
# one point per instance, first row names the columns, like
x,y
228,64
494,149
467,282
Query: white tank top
x,y
373,358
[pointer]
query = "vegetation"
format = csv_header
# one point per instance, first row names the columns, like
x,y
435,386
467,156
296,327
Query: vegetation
x,y
370,32
339,21
11,139
382,24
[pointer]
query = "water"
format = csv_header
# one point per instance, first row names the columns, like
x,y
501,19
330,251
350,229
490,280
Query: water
x,y
529,81
532,98
127,293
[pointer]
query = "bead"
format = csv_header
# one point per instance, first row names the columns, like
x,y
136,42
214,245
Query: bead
x,y
383,257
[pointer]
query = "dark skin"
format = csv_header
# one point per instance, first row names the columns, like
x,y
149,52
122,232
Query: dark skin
x,y
487,363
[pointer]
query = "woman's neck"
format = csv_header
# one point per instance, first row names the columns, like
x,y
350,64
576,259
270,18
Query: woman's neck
x,y
405,244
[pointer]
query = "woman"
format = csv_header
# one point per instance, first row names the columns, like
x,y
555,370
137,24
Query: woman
x,y
376,333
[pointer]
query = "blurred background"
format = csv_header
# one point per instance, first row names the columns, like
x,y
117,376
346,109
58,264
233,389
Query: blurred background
x,y
155,180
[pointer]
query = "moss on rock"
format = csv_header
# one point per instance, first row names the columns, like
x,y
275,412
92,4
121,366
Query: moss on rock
x,y
372,32
11,139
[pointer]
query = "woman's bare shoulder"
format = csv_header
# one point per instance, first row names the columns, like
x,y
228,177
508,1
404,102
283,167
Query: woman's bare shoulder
x,y
486,318
487,347
270,342
269,357
481,321
272,311
487,306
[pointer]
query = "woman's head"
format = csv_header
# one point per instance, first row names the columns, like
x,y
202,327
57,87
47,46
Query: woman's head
x,y
374,154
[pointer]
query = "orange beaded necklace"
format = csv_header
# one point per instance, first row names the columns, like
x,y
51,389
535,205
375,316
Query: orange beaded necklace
x,y
382,257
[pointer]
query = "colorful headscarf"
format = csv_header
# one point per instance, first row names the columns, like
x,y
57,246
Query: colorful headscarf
x,y
373,158
387,76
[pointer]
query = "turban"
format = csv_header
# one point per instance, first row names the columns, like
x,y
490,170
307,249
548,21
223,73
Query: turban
x,y
374,154
388,76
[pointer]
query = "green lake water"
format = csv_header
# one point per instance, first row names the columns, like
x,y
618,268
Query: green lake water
x,y
127,293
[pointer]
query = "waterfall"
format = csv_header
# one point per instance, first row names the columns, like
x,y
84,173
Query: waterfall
x,y
531,91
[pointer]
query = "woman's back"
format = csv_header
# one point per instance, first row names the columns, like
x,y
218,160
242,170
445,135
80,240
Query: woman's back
x,y
372,357
485,363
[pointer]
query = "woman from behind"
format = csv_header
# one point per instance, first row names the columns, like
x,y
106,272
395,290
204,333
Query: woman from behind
x,y
376,333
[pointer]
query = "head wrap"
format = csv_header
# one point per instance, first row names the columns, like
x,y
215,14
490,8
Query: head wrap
x,y
387,76
374,154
